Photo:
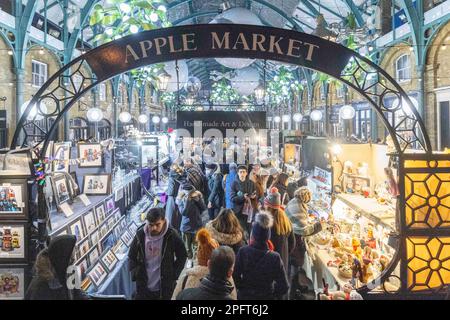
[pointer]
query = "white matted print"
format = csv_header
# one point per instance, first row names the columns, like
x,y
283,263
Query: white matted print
x,y
12,283
109,260
61,153
11,202
90,155
97,274
77,230
13,241
89,221
96,184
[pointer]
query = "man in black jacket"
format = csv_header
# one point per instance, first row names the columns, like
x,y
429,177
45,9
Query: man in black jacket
x,y
215,286
156,258
243,191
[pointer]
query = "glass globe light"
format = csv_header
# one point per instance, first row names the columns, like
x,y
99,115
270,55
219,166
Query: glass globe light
x,y
347,112
316,115
94,114
125,117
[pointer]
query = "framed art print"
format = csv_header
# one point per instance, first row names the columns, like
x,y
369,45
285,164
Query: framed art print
x,y
93,256
90,222
100,213
103,229
110,221
76,229
118,194
117,231
90,155
60,189
12,283
61,154
117,215
86,284
95,236
13,202
83,246
107,242
97,274
109,260
17,163
97,184
119,248
127,238
110,204
14,244
133,227
123,223
82,266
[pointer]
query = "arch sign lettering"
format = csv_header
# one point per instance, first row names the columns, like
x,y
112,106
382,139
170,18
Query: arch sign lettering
x,y
422,227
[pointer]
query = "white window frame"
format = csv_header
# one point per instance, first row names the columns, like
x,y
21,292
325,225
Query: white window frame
x,y
41,78
102,92
400,72
340,91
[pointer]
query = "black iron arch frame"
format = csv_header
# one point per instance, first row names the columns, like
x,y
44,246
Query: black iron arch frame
x,y
61,92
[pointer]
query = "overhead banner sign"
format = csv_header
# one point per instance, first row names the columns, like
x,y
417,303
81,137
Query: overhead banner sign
x,y
218,40
220,120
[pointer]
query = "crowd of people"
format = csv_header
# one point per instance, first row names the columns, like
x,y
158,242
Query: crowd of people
x,y
238,235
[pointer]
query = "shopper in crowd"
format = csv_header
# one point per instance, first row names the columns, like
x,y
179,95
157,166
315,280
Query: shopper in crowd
x,y
227,230
192,207
195,175
259,272
216,193
176,174
228,180
191,277
282,235
156,258
243,196
50,281
273,174
281,182
216,285
294,185
297,212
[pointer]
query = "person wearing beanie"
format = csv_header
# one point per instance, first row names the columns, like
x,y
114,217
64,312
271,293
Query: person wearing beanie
x,y
281,183
216,285
50,280
228,180
191,277
297,212
243,192
282,235
215,190
259,272
156,258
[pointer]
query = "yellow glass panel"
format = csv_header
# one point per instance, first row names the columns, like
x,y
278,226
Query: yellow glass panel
x,y
418,240
408,187
419,214
420,225
433,219
421,189
419,288
434,246
422,276
444,213
435,280
416,164
445,224
443,176
433,183
418,176
444,164
409,215
446,264
417,264
416,201
445,274
446,202
409,249
422,252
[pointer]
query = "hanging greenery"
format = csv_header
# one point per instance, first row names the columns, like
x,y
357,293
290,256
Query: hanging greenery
x,y
121,18
283,86
169,99
222,92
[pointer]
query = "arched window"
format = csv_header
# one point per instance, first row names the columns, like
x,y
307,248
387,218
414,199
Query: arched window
x,y
403,68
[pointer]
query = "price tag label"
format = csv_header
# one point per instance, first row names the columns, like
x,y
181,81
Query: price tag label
x,y
84,199
66,209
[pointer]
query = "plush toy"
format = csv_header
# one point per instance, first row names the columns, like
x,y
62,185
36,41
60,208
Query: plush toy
x,y
356,245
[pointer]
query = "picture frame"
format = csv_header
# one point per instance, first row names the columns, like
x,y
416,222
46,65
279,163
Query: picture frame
x,y
127,238
86,284
13,282
97,184
84,246
117,231
103,229
100,213
76,228
133,227
97,274
90,221
14,246
123,223
13,199
82,266
109,260
118,194
117,215
90,155
110,204
61,155
119,248
110,221
16,163
95,237
61,190
107,242
93,255
75,192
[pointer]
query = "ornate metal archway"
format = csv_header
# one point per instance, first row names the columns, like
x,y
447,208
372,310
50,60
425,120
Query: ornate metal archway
x,y
406,127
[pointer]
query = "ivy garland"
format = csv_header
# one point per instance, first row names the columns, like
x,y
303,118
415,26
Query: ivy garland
x,y
223,92
283,86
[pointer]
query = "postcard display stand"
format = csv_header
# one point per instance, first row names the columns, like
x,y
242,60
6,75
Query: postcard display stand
x,y
15,172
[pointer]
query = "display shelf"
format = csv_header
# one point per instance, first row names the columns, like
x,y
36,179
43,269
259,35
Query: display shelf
x,y
370,208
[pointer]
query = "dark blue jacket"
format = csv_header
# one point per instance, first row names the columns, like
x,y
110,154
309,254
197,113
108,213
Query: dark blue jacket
x,y
259,274
230,178
216,193
191,209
